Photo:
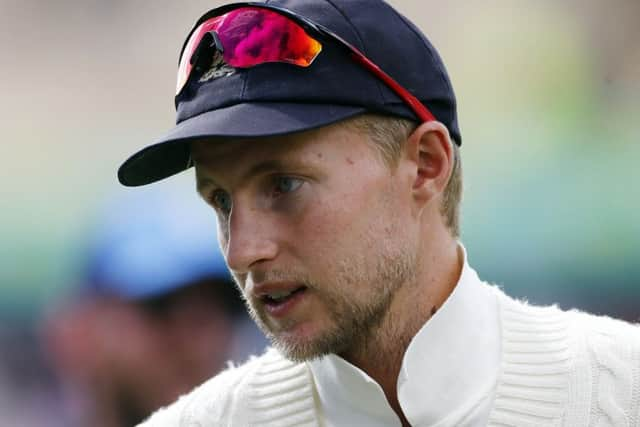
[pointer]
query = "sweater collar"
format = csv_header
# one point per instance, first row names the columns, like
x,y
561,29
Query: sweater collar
x,y
448,370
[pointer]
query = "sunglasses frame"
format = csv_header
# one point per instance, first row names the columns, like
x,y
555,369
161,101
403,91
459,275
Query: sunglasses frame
x,y
419,109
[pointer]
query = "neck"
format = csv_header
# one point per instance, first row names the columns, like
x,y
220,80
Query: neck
x,y
380,355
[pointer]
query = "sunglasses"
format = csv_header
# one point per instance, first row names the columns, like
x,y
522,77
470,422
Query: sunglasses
x,y
250,34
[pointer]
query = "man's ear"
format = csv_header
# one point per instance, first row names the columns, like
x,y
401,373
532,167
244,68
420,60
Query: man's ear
x,y
430,151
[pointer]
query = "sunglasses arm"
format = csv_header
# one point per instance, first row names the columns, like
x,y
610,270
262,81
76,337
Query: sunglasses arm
x,y
418,107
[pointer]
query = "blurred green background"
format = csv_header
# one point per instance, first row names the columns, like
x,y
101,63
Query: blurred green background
x,y
548,102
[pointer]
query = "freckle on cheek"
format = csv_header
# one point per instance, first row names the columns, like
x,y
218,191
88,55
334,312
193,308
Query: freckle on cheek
x,y
350,161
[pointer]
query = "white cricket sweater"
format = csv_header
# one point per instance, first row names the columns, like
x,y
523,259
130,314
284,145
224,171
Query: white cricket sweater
x,y
556,368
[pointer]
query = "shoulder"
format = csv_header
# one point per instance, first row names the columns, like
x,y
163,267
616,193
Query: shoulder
x,y
267,390
606,367
611,346
596,348
605,326
586,366
577,324
211,401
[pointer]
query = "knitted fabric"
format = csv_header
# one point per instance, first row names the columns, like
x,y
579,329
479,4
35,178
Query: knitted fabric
x,y
558,368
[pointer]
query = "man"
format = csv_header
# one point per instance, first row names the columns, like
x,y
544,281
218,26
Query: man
x,y
324,134
152,283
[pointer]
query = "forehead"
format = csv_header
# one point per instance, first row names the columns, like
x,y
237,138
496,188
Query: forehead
x,y
212,151
332,141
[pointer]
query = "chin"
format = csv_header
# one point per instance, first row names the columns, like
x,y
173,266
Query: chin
x,y
302,344
299,351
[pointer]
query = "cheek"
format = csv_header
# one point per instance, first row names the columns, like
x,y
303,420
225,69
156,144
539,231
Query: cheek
x,y
340,223
330,219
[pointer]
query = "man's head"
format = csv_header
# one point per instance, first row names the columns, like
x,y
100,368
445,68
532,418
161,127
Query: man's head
x,y
331,179
321,232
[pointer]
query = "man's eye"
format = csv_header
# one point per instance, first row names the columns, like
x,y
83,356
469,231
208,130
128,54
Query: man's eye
x,y
221,200
286,184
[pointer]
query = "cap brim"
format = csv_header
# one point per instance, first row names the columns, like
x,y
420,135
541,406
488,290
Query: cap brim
x,y
170,155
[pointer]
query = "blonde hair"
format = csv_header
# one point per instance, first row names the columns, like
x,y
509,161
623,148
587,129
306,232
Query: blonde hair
x,y
389,135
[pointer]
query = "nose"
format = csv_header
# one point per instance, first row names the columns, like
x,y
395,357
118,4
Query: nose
x,y
250,239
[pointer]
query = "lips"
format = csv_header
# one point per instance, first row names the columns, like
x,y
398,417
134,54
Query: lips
x,y
279,299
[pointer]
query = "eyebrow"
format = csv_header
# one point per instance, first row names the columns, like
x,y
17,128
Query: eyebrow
x,y
263,167
257,169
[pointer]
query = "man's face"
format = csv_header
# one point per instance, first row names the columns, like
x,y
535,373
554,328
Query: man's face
x,y
316,230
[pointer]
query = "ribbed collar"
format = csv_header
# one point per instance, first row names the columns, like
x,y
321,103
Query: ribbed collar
x,y
448,373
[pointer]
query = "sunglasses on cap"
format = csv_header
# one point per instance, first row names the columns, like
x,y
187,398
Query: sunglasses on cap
x,y
250,34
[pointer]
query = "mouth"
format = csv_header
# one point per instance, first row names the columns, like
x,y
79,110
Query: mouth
x,y
280,302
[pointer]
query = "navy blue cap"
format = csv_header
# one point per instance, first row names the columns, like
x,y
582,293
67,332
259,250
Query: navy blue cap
x,y
277,99
152,244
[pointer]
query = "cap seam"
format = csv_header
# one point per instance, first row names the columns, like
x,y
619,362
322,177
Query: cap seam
x,y
429,48
362,45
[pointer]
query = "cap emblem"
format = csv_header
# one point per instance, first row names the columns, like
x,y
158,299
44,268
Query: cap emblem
x,y
219,68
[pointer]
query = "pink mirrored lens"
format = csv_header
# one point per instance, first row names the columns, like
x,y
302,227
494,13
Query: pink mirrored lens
x,y
251,36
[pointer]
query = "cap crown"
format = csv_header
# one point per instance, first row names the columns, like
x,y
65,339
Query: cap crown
x,y
375,28
278,98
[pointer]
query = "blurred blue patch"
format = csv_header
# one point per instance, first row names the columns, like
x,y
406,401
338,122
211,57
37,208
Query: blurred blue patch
x,y
151,241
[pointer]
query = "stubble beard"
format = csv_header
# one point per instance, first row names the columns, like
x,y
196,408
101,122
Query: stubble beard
x,y
358,300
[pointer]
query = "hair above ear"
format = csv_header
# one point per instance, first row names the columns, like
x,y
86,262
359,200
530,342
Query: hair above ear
x,y
390,136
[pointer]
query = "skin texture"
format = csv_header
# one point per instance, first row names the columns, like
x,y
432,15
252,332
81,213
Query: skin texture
x,y
321,209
